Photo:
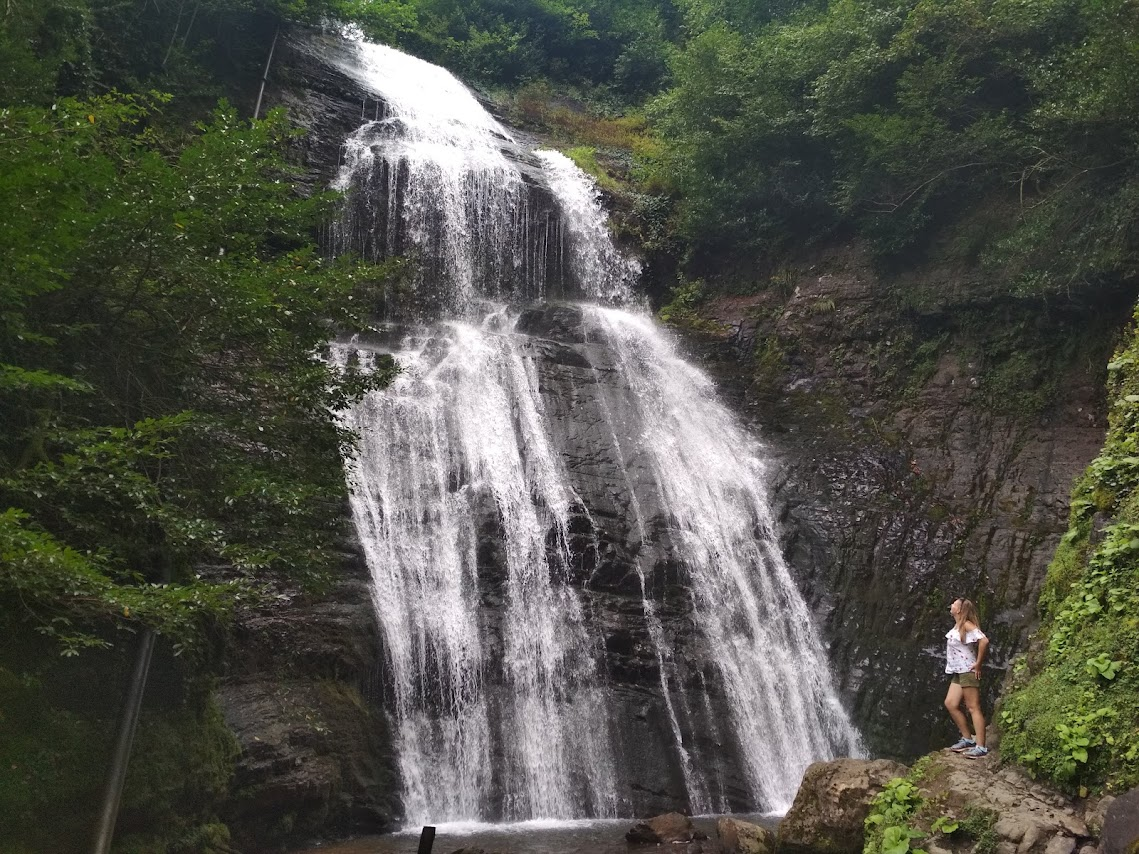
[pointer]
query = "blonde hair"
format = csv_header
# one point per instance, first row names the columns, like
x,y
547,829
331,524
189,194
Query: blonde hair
x,y
967,613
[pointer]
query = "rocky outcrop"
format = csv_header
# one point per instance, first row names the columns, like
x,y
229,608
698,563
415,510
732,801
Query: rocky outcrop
x,y
743,837
319,98
1021,815
976,799
832,804
1029,817
929,429
315,753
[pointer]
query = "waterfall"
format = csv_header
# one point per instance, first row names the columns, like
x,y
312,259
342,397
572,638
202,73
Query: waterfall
x,y
582,599
710,475
607,274
430,173
455,444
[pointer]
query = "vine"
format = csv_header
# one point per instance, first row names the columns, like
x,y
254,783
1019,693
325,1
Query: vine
x,y
1073,713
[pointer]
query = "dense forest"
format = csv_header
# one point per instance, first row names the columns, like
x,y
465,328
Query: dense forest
x,y
162,293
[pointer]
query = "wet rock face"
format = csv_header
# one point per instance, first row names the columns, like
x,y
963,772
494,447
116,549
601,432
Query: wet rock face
x,y
924,454
299,697
329,104
322,100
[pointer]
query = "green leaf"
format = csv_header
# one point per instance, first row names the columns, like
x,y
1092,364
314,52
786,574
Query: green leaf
x,y
895,840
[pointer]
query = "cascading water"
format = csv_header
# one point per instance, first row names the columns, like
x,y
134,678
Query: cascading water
x,y
455,445
607,274
432,174
710,476
575,564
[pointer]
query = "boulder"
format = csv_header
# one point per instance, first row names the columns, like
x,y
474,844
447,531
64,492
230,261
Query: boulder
x,y
832,804
742,837
667,828
1061,844
1027,817
1121,825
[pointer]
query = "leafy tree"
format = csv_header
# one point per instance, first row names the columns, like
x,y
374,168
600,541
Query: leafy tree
x,y
1004,130
160,308
620,46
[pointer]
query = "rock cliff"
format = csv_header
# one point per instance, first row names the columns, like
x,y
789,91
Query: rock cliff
x,y
301,697
929,428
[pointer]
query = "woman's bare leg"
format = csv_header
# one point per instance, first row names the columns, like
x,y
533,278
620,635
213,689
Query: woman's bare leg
x,y
973,704
953,706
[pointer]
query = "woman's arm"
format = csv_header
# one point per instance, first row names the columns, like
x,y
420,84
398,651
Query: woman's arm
x,y
982,645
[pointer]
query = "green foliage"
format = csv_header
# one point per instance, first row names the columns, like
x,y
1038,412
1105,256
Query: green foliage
x,y
1073,715
66,593
682,308
899,799
946,825
56,733
900,121
586,159
1022,379
888,827
170,430
48,755
169,797
617,48
160,305
1104,666
903,813
195,49
1075,738
44,47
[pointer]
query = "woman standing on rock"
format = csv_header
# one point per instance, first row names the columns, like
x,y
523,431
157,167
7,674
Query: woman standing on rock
x,y
965,646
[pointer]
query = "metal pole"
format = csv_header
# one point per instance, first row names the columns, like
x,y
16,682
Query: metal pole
x,y
128,723
426,840
265,76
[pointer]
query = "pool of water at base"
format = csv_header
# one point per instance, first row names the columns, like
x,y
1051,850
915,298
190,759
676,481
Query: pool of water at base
x,y
529,837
